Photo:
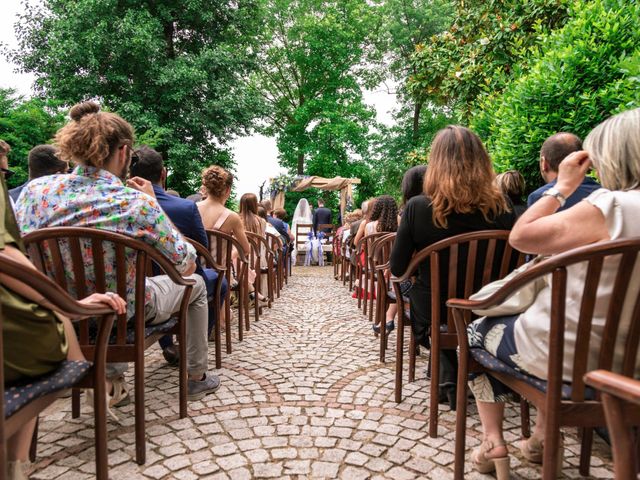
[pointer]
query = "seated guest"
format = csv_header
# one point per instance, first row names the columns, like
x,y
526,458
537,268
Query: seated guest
x,y
277,223
322,216
218,183
413,182
460,196
35,339
94,195
555,149
610,213
512,184
42,161
254,224
371,215
186,217
281,214
269,228
364,211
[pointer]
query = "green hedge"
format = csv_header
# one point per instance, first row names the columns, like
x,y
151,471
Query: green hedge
x,y
582,73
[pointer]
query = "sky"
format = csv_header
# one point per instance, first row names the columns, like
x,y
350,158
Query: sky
x,y
256,156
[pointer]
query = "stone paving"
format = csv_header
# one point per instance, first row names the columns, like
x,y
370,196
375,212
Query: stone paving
x,y
303,396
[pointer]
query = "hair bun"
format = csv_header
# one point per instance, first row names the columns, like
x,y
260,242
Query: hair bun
x,y
82,109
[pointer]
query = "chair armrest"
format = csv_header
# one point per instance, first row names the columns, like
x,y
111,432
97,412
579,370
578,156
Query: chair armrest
x,y
384,266
614,384
206,254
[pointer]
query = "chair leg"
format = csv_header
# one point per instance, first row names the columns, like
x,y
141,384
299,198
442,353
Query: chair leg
x,y
227,326
586,443
550,454
525,418
100,428
435,381
461,417
75,403
413,351
33,448
182,369
399,352
141,447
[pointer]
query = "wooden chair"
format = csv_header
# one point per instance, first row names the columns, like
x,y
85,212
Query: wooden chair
x,y
86,260
301,234
337,255
261,260
349,262
277,247
24,401
620,397
563,404
379,259
222,246
479,258
363,274
207,261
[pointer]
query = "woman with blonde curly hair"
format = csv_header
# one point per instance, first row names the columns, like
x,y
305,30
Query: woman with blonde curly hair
x,y
460,196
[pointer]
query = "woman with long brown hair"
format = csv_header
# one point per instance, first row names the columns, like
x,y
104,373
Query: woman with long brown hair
x,y
460,196
249,214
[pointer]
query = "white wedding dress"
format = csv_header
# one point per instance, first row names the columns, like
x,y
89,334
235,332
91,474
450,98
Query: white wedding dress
x,y
302,215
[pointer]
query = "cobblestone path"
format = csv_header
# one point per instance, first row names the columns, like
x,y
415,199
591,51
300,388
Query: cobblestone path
x,y
304,396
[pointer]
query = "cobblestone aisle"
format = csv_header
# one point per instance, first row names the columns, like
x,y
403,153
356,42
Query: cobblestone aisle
x,y
303,396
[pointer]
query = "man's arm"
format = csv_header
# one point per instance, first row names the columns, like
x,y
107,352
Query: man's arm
x,y
315,221
199,233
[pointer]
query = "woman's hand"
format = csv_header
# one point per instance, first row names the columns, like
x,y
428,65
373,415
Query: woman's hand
x,y
111,299
571,172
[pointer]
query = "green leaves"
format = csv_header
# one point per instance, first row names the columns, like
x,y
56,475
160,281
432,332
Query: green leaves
x,y
174,68
23,125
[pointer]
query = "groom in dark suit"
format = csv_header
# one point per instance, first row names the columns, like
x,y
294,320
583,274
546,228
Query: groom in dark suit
x,y
322,216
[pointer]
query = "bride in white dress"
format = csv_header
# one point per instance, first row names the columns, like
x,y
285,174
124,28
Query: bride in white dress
x,y
302,215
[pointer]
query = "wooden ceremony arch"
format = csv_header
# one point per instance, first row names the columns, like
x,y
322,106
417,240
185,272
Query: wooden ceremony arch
x,y
345,185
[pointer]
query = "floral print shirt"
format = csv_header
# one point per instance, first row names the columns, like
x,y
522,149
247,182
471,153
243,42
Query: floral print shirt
x,y
92,197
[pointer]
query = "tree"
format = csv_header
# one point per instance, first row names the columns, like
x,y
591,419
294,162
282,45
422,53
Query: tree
x,y
23,125
582,74
173,68
309,77
407,24
486,46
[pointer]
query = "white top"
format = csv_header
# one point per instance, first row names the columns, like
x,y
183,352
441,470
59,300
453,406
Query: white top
x,y
620,210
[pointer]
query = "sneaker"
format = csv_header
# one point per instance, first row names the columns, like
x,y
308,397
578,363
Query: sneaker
x,y
197,389
171,355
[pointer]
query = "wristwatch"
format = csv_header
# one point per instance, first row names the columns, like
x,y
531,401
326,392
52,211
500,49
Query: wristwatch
x,y
553,192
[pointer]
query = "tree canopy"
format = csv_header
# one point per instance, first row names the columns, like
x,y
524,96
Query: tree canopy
x,y
176,70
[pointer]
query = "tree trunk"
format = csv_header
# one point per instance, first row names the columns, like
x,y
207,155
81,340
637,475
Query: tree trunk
x,y
417,108
300,163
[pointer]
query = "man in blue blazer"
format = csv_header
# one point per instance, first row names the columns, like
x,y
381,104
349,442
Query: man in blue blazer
x,y
148,164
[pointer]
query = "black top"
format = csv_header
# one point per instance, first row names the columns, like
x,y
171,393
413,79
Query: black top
x,y
322,216
417,231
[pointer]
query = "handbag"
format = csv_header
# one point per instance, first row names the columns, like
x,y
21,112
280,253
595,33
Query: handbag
x,y
519,301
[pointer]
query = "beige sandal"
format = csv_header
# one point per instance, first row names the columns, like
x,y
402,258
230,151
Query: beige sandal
x,y
17,470
119,398
533,450
483,464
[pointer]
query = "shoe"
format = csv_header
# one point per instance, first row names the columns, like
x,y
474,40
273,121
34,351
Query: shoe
x,y
482,464
390,326
171,355
447,396
533,450
17,470
197,389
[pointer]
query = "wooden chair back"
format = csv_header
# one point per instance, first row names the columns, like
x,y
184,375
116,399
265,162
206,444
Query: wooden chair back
x,y
379,259
611,288
363,273
620,398
227,252
301,233
476,258
60,300
337,255
261,259
279,256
